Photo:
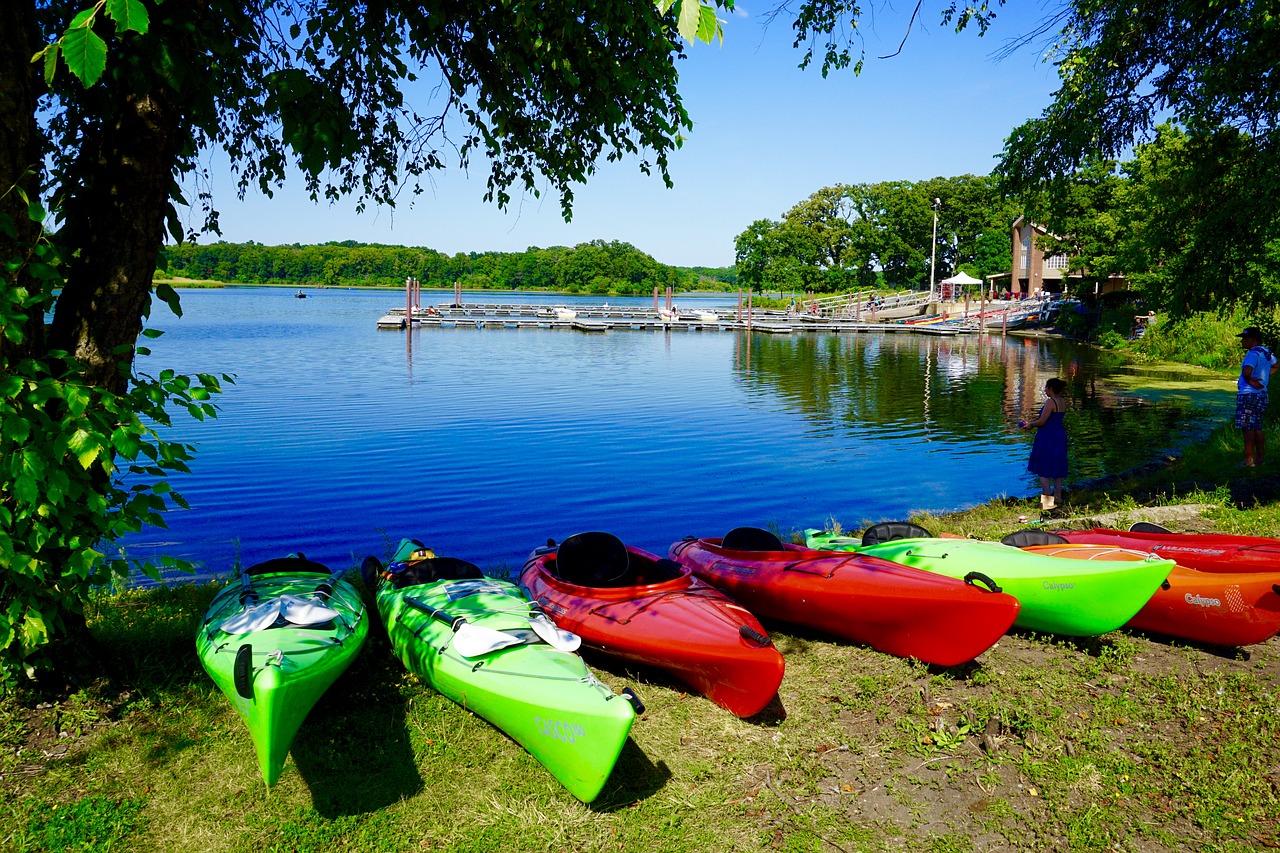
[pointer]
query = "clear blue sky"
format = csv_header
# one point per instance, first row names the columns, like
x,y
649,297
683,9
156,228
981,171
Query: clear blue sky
x,y
766,135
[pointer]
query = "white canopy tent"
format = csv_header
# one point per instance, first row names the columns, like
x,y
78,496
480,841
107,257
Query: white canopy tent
x,y
957,284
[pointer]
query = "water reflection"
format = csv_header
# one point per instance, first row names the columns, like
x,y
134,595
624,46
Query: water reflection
x,y
905,387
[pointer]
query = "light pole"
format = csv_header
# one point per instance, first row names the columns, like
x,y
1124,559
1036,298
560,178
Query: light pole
x,y
933,252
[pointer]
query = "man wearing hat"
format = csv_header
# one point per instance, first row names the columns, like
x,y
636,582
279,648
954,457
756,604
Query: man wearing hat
x,y
1251,393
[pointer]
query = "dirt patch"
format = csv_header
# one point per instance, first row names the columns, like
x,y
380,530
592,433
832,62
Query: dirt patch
x,y
1186,518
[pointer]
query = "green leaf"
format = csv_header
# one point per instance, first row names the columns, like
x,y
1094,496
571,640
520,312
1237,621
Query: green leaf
x,y
34,632
86,54
129,15
36,211
709,27
26,489
690,14
83,18
50,55
170,297
17,429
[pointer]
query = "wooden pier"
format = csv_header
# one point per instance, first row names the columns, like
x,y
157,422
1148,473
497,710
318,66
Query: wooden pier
x,y
907,311
601,318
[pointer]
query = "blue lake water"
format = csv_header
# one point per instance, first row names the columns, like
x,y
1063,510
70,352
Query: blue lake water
x,y
339,438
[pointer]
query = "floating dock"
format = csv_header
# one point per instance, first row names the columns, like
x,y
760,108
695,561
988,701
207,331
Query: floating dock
x,y
601,318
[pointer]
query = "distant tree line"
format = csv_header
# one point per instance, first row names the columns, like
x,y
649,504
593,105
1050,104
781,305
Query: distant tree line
x,y
597,267
881,235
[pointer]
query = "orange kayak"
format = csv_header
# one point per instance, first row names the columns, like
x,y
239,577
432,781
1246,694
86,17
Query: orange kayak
x,y
1223,608
631,604
896,609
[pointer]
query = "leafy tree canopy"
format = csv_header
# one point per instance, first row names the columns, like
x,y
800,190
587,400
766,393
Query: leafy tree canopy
x,y
861,235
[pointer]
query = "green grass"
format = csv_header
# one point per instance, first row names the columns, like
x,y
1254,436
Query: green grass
x,y
1119,742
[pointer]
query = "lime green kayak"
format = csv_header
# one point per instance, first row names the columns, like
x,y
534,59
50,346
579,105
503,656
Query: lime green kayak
x,y
275,642
481,642
1084,599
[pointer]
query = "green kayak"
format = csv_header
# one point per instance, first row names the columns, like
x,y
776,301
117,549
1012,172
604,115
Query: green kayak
x,y
482,643
1074,597
275,642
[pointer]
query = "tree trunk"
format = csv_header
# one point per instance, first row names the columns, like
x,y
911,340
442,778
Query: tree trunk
x,y
116,219
20,160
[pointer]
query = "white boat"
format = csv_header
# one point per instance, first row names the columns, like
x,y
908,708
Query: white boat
x,y
708,317
669,315
563,313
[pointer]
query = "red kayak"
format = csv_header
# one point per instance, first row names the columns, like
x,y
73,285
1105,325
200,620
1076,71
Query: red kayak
x,y
1207,552
897,609
636,606
1223,608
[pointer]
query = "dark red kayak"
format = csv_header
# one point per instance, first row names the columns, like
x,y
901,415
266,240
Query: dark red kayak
x,y
1205,552
631,604
896,609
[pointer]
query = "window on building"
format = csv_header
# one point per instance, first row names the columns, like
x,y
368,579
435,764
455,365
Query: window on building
x,y
1057,262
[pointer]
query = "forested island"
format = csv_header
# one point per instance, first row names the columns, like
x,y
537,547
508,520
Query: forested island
x,y
597,267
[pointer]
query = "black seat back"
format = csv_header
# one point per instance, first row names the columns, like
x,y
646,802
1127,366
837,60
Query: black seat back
x,y
593,559
1147,527
291,565
1028,538
751,539
887,531
435,569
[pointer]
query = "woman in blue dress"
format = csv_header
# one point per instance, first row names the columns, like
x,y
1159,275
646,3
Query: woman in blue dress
x,y
1049,450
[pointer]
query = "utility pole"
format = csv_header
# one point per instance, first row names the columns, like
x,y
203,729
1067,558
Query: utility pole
x,y
933,253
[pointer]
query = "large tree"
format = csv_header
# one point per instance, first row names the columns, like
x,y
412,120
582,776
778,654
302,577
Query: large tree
x,y
365,99
1208,67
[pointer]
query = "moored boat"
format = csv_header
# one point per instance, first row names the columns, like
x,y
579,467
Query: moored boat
x,y
275,642
479,642
1076,599
628,603
1223,608
898,610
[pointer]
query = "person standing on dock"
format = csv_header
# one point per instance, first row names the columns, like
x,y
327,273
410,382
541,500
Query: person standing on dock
x,y
1251,394
1049,450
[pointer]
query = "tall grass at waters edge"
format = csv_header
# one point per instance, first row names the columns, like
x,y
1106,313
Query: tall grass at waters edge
x,y
1207,339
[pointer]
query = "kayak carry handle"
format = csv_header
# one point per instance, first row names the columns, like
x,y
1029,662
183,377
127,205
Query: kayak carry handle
x,y
1276,587
975,578
749,633
1165,585
454,622
242,671
630,696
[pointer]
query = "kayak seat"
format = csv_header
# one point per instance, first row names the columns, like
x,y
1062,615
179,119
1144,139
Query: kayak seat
x,y
1028,538
1147,527
593,559
751,539
660,570
435,569
288,565
888,531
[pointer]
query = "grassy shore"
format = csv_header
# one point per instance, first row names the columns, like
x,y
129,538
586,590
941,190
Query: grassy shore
x,y
1120,742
